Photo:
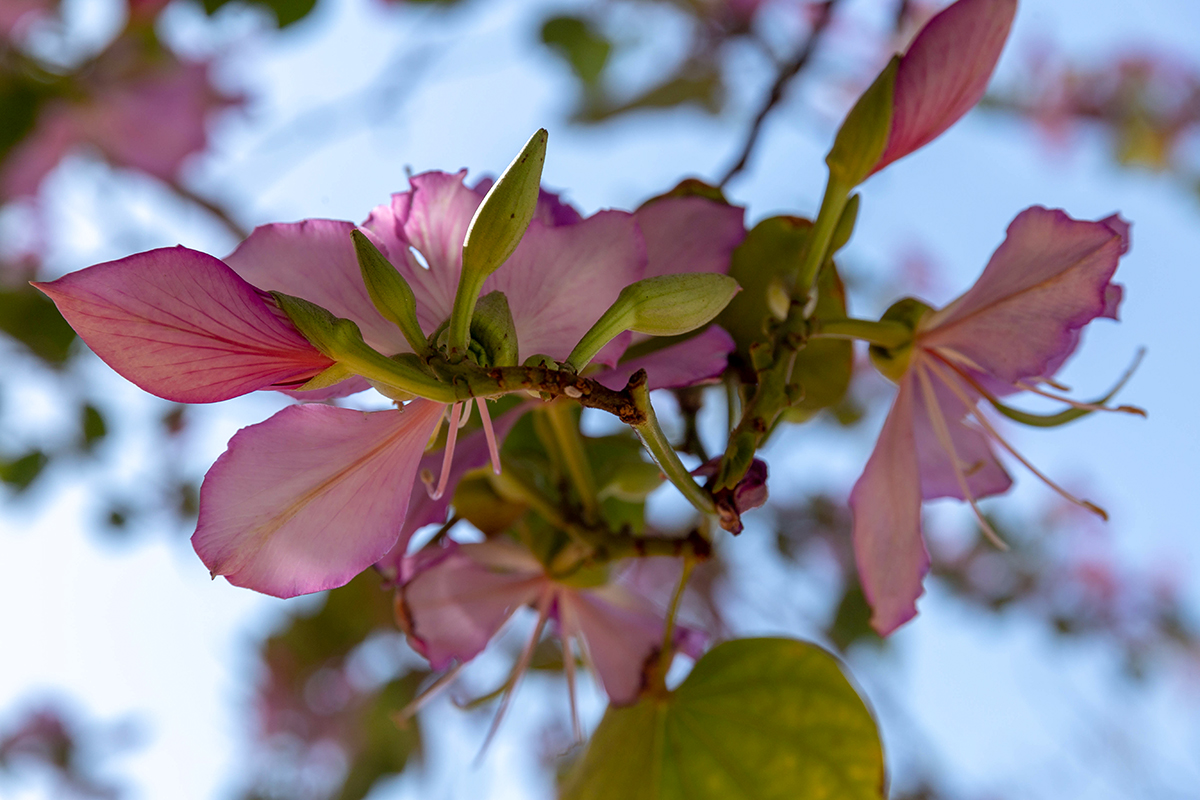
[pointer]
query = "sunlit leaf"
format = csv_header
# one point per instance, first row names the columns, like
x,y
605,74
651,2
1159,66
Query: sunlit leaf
x,y
757,719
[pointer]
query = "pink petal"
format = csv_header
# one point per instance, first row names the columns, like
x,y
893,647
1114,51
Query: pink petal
x,y
886,508
56,132
984,474
560,280
315,259
431,218
701,359
945,72
621,630
182,325
689,234
457,603
471,453
1047,280
311,497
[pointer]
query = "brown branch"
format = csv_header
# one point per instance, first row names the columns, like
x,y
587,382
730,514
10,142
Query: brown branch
x,y
789,71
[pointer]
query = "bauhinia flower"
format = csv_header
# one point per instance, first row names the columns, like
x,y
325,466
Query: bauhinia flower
x,y
455,599
1010,332
307,499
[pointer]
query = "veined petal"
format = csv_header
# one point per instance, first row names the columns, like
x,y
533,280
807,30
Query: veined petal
x,y
689,234
886,508
454,607
315,259
984,474
945,72
1048,279
700,359
182,325
311,497
560,280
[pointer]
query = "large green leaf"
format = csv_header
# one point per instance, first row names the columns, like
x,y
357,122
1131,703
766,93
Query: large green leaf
x,y
757,719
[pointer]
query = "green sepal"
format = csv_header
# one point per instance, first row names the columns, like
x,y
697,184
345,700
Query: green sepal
x,y
492,328
864,134
341,340
892,362
495,231
390,293
326,378
845,226
666,305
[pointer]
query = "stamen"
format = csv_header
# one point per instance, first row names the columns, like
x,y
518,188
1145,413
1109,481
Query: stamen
x,y
489,434
569,668
942,431
448,455
994,434
1030,387
466,416
543,607
445,679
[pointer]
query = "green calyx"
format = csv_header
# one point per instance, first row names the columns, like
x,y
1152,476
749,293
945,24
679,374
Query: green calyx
x,y
893,360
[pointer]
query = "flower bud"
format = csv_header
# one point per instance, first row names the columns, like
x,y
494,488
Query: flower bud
x,y
493,330
893,362
666,305
390,293
864,134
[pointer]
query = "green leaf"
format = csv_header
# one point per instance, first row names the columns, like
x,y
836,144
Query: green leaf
x,y
92,426
757,719
583,47
824,367
285,12
864,133
30,317
383,747
21,472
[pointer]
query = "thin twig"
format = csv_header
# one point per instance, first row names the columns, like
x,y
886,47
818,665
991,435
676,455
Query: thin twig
x,y
213,208
789,71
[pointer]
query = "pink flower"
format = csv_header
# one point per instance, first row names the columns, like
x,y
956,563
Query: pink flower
x,y
150,117
1010,332
314,495
457,598
945,72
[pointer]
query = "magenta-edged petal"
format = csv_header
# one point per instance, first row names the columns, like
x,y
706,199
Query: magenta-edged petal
x,y
1049,278
701,359
470,453
311,497
689,234
182,325
983,473
886,508
457,603
315,259
560,280
621,631
945,72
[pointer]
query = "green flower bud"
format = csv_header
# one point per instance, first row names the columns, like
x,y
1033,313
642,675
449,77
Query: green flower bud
x,y
390,293
666,305
864,134
492,329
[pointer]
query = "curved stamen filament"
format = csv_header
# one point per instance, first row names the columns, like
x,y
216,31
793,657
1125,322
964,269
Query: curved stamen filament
x,y
448,455
543,607
991,431
490,434
942,431
435,689
1031,387
569,668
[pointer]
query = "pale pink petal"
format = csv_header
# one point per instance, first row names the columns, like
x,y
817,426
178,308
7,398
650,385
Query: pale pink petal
x,y
311,497
182,325
315,259
56,132
1047,280
945,72
886,508
15,14
457,603
701,359
560,280
689,234
983,472
352,385
621,631
471,453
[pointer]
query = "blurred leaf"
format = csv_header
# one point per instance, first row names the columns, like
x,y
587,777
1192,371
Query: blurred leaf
x,y
824,367
19,101
28,316
385,747
92,426
694,84
350,614
852,623
691,187
756,719
20,472
584,48
286,12
477,502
